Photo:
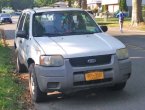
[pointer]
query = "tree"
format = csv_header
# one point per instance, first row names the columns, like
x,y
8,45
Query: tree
x,y
136,12
39,3
80,2
42,2
22,4
69,3
84,4
16,4
4,3
123,5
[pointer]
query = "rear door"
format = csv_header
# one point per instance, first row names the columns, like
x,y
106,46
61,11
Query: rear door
x,y
22,43
18,40
26,42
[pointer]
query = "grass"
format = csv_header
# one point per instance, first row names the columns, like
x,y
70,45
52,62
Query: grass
x,y
10,89
113,22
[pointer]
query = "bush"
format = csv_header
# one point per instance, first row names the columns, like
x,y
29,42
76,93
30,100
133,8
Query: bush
x,y
104,8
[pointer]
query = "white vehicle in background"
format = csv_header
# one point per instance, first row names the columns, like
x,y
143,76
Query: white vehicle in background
x,y
65,50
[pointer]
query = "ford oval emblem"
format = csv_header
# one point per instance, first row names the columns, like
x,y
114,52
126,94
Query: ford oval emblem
x,y
91,61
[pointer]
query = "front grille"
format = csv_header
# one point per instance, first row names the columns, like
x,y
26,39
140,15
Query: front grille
x,y
90,60
92,82
83,72
7,19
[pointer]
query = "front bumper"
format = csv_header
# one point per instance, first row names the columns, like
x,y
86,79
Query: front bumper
x,y
70,79
6,20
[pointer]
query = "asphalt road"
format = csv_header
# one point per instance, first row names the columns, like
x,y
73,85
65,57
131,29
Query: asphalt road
x,y
131,98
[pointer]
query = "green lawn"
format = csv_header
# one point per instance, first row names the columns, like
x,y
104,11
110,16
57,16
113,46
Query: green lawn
x,y
10,89
112,22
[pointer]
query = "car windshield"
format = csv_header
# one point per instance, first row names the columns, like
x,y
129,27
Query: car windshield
x,y
62,23
5,15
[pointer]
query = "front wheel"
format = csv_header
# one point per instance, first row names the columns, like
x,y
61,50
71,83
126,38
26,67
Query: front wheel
x,y
118,86
36,94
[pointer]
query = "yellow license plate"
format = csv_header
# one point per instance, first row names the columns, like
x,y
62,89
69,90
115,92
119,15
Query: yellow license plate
x,y
95,75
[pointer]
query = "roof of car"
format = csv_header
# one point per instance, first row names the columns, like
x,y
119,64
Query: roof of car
x,y
4,14
45,9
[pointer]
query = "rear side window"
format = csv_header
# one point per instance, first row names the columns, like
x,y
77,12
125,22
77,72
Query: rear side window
x,y
21,22
26,24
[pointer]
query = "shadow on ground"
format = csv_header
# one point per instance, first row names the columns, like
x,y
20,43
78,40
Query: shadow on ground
x,y
10,34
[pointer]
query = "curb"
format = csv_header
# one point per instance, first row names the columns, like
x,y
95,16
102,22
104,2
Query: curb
x,y
116,29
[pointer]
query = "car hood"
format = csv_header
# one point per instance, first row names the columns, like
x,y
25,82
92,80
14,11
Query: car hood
x,y
80,45
5,17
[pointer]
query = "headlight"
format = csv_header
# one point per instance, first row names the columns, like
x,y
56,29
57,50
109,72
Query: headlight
x,y
54,60
2,18
122,54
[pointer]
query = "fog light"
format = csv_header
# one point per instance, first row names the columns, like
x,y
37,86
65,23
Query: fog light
x,y
51,85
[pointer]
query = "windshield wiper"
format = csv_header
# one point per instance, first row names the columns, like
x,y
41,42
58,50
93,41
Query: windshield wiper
x,y
65,34
88,32
80,33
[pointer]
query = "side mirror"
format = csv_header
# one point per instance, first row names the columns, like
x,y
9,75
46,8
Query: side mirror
x,y
21,34
104,28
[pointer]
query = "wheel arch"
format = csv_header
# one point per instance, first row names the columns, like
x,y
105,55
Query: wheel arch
x,y
30,61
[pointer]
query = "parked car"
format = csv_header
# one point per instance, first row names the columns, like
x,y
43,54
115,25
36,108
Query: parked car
x,y
18,13
65,50
5,18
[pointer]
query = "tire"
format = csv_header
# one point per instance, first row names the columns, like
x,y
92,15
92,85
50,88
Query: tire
x,y
11,22
119,86
20,68
36,94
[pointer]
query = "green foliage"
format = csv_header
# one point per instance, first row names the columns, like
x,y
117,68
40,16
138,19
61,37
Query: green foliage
x,y
16,4
123,5
10,91
39,3
143,7
1,43
21,4
4,3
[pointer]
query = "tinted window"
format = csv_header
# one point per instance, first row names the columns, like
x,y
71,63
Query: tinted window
x,y
26,24
63,23
5,15
21,22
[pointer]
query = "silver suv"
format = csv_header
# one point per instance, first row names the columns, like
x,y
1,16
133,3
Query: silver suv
x,y
65,50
